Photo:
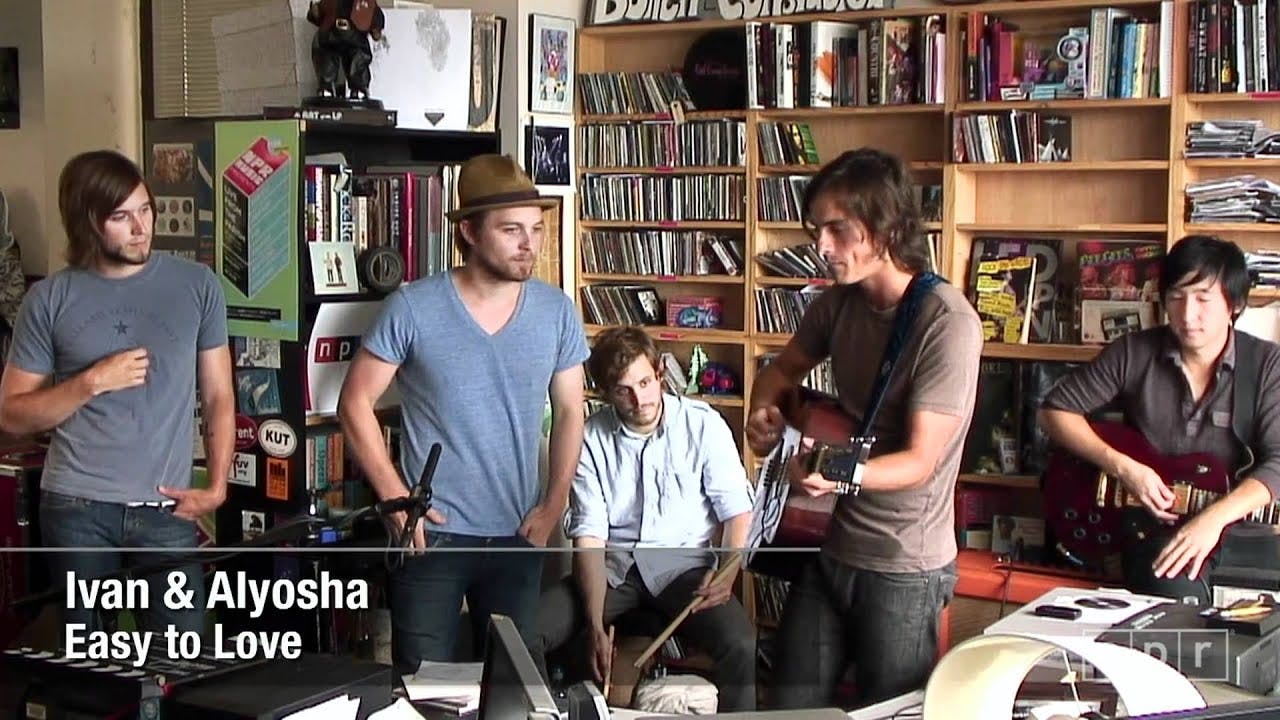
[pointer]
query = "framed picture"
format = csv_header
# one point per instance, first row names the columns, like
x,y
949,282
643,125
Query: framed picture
x,y
10,110
551,62
548,160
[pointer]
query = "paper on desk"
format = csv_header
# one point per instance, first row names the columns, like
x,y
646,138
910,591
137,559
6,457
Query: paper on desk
x,y
341,707
444,680
398,710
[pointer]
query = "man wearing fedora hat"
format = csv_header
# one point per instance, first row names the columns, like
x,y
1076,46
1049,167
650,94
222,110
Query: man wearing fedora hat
x,y
475,351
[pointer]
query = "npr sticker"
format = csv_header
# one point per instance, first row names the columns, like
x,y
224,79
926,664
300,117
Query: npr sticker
x,y
246,432
244,470
277,438
277,479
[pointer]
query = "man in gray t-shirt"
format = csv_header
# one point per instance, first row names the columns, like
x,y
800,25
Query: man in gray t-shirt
x,y
872,598
475,352
106,355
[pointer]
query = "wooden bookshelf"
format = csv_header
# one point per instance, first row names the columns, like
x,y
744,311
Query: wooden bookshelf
x,y
1124,182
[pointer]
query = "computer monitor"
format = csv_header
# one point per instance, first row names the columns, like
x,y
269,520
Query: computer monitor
x,y
510,686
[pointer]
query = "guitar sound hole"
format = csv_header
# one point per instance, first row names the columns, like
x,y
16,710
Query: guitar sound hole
x,y
1104,538
1070,514
1094,518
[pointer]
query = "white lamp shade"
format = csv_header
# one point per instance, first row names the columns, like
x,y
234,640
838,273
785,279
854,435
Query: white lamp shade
x,y
979,678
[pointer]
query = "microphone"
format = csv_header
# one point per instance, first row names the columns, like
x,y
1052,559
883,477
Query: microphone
x,y
419,501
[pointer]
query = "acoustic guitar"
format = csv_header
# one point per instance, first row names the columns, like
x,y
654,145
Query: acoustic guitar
x,y
1086,508
796,520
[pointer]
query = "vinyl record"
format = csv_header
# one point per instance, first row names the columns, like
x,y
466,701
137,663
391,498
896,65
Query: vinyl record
x,y
1102,603
715,71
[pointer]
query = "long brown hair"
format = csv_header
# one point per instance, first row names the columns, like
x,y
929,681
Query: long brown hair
x,y
875,188
92,185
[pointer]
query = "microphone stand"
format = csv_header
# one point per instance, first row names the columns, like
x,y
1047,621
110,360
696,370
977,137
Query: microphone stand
x,y
416,505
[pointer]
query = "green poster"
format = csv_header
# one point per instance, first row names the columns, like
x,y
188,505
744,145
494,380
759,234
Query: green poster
x,y
256,200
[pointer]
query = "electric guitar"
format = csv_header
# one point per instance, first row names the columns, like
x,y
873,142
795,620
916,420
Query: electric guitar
x,y
1085,507
786,519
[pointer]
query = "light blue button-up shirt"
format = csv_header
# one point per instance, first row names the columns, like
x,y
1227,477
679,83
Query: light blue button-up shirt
x,y
659,494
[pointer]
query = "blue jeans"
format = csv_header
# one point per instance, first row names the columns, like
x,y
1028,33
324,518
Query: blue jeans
x,y
500,575
886,624
106,532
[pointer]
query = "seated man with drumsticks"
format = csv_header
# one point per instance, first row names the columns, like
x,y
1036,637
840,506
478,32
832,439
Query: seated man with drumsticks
x,y
659,475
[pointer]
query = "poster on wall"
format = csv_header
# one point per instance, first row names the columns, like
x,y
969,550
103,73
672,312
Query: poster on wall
x,y
256,171
618,12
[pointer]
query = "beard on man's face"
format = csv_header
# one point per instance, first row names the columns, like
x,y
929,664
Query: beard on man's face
x,y
125,255
510,270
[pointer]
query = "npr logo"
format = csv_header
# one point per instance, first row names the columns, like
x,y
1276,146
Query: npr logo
x,y
336,349
1197,654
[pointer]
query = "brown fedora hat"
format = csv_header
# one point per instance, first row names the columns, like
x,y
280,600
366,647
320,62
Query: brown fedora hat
x,y
489,182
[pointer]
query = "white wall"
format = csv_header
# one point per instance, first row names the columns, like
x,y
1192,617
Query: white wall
x,y
22,172
514,115
79,80
92,91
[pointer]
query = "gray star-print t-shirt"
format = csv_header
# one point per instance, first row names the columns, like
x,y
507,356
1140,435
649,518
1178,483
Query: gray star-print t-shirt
x,y
122,444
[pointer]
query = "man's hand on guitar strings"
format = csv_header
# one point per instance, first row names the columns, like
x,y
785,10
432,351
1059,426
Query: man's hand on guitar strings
x,y
1190,546
764,429
1146,485
813,484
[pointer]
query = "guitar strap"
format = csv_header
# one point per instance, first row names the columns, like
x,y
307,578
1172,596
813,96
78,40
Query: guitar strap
x,y
921,285
1246,381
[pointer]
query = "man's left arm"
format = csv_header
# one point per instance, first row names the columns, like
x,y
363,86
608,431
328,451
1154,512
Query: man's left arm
x,y
942,392
218,405
567,419
217,400
1192,544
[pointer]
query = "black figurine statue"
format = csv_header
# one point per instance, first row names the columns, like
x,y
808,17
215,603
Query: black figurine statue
x,y
342,44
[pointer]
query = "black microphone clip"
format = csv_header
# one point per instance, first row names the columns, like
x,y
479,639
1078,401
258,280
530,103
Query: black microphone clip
x,y
418,502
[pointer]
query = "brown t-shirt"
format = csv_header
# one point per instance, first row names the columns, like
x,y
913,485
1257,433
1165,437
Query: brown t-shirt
x,y
1141,375
909,530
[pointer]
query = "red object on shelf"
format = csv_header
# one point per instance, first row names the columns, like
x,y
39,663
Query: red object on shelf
x,y
982,576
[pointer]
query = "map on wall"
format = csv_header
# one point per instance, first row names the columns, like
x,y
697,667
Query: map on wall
x,y
422,67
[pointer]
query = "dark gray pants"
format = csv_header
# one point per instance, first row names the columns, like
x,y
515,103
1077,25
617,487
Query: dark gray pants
x,y
723,632
886,624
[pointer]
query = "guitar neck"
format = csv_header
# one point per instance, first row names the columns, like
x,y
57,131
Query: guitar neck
x,y
1189,500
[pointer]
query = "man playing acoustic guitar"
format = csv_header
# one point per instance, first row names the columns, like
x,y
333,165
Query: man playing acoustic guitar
x,y
873,596
1176,384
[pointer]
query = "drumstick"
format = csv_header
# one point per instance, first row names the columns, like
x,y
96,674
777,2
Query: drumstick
x,y
723,572
608,674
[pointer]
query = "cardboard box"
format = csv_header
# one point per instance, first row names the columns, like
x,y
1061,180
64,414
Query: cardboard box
x,y
697,311
264,56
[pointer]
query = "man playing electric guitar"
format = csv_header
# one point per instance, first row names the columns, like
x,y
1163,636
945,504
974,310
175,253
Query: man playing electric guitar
x,y
1177,385
874,594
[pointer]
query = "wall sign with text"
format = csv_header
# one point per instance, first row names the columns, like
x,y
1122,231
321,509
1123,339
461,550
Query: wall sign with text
x,y
618,12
